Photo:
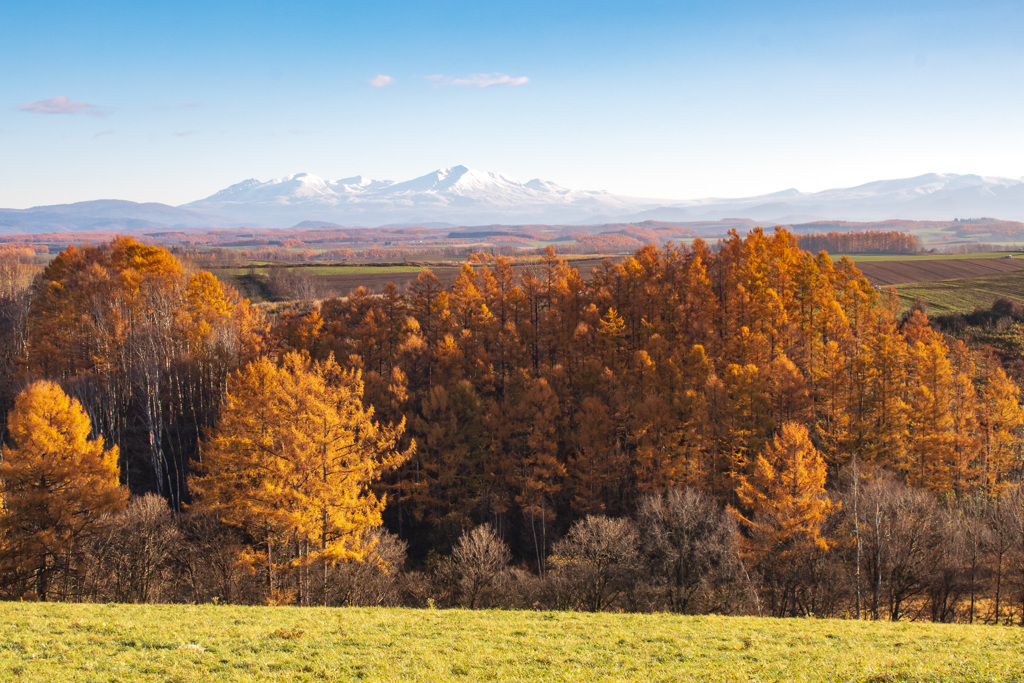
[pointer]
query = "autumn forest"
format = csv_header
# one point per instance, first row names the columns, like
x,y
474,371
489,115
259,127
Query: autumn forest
x,y
739,427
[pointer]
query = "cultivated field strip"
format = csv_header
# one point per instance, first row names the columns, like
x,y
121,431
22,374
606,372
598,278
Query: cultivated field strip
x,y
884,273
963,296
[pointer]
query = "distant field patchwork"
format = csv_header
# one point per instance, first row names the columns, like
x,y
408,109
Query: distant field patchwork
x,y
77,642
948,283
904,271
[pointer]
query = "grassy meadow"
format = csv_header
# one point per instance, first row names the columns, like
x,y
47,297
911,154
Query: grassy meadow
x,y
74,642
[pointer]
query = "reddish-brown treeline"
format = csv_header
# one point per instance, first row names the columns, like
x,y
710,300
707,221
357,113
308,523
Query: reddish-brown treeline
x,y
862,242
540,397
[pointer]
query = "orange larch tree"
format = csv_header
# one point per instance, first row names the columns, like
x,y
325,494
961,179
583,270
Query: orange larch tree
x,y
292,461
1002,424
58,489
929,458
785,511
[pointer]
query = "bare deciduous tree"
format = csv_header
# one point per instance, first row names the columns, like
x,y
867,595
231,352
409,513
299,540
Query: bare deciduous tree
x,y
135,554
597,561
478,566
897,527
374,581
689,544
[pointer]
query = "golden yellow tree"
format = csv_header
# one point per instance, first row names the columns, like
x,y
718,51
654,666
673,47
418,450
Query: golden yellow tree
x,y
292,461
1003,429
881,425
786,509
58,487
929,456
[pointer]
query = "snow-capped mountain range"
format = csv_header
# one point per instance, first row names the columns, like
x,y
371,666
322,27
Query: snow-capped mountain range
x,y
464,196
457,195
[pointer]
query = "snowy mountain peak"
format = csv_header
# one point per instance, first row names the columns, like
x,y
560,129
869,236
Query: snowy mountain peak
x,y
455,172
236,188
545,186
459,179
302,179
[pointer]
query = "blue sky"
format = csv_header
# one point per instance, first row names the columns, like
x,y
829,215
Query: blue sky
x,y
170,102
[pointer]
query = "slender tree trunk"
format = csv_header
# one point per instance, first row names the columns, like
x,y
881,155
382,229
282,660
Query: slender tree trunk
x,y
856,529
270,565
536,546
543,535
876,589
323,553
41,580
999,582
298,579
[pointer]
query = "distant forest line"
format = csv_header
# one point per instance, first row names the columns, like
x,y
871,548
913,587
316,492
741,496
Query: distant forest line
x,y
319,241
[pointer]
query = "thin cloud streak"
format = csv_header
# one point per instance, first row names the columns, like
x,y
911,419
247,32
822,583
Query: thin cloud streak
x,y
381,81
479,80
61,104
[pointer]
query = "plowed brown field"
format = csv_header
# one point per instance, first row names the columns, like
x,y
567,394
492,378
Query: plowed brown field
x,y
883,273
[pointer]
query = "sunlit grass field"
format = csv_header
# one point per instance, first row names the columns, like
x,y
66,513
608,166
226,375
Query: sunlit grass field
x,y
67,642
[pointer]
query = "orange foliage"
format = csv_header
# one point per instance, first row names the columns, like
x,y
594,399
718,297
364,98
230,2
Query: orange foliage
x,y
58,485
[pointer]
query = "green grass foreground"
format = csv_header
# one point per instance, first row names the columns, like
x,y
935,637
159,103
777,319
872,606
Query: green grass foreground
x,y
68,642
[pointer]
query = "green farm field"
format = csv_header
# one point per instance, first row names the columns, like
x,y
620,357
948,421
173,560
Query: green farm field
x,y
963,295
76,642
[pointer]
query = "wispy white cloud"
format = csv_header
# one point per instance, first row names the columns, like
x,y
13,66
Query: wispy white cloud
x,y
61,104
381,81
184,133
479,80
